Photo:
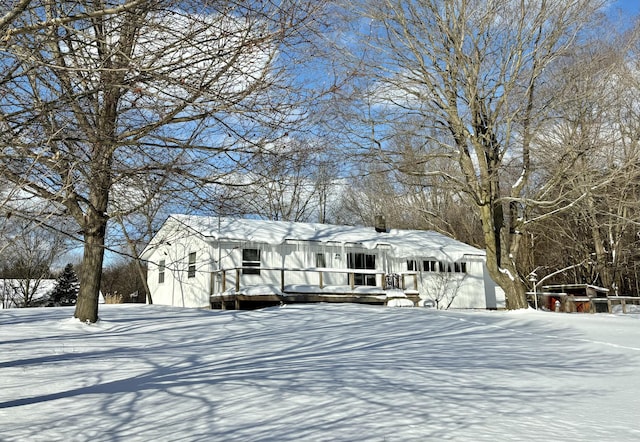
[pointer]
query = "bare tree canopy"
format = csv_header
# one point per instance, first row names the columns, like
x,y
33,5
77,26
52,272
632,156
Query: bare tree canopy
x,y
461,81
98,96
591,147
115,112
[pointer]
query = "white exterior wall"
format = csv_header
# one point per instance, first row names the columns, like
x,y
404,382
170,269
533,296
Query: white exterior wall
x,y
230,256
178,289
450,289
494,294
290,257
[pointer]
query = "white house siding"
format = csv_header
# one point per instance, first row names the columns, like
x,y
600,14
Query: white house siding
x,y
455,290
494,294
178,288
293,258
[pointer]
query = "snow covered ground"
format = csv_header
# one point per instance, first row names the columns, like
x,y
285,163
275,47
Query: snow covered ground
x,y
318,373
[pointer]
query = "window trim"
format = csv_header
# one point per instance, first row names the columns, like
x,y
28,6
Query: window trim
x,y
433,266
429,265
362,261
161,269
191,267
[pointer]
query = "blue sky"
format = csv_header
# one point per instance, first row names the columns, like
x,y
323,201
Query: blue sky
x,y
632,6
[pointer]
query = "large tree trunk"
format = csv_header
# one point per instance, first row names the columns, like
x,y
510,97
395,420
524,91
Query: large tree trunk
x,y
515,293
94,223
145,283
91,272
500,265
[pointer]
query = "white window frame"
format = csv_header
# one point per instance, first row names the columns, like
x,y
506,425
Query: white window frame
x,y
250,261
161,269
191,267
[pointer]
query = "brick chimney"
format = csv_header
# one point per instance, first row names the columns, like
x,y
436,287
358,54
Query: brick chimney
x,y
380,224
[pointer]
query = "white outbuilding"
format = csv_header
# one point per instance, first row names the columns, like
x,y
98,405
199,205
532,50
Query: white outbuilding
x,y
201,261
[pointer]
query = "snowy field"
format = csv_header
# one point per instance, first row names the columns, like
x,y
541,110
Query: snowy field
x,y
318,373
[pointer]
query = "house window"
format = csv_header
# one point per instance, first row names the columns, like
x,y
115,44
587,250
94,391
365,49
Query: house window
x,y
191,270
320,260
412,265
460,267
429,266
365,262
445,267
161,266
250,258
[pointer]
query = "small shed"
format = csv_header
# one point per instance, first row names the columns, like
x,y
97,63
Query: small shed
x,y
576,298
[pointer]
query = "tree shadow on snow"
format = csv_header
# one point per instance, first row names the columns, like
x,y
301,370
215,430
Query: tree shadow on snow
x,y
306,373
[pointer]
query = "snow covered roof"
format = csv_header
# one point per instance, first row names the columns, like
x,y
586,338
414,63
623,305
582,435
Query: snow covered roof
x,y
405,243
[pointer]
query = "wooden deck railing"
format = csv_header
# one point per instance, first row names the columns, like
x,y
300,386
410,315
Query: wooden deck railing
x,y
613,300
405,278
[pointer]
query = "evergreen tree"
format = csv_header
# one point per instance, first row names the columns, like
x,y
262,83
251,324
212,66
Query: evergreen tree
x,y
66,290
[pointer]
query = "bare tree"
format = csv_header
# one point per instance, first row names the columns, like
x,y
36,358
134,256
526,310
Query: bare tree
x,y
467,75
124,279
31,251
443,288
289,181
592,146
93,100
13,13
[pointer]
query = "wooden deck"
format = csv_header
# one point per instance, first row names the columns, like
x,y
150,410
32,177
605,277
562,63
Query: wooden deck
x,y
248,302
240,297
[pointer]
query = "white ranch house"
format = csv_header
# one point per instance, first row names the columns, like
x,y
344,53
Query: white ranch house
x,y
200,261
